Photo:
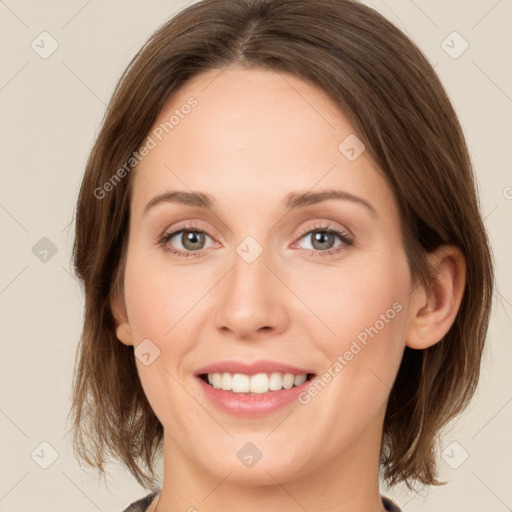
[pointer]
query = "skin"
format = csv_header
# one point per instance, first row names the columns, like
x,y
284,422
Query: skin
x,y
254,137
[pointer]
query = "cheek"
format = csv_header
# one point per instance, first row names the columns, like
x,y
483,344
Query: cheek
x,y
162,305
361,362
365,307
356,295
158,297
157,306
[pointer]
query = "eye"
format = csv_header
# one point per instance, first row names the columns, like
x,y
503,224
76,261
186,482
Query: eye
x,y
321,240
186,241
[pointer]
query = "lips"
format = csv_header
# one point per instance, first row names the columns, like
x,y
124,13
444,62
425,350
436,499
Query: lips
x,y
258,399
252,368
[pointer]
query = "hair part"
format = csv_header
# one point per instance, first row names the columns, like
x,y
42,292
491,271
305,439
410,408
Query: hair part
x,y
394,100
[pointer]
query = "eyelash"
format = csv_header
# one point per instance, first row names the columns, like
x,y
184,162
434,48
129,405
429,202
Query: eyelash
x,y
344,236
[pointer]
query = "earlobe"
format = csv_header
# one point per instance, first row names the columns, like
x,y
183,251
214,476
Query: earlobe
x,y
123,330
434,308
124,334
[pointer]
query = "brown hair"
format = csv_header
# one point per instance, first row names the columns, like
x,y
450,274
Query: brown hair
x,y
395,101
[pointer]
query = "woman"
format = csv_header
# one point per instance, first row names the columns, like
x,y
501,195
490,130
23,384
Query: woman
x,y
287,278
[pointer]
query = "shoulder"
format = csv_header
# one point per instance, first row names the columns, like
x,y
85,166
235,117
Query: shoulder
x,y
142,504
390,505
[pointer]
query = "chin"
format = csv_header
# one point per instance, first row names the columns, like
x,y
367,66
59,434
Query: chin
x,y
255,463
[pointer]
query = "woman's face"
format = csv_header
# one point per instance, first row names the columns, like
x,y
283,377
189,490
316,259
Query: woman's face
x,y
270,278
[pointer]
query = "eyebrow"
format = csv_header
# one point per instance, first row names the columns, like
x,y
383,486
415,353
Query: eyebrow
x,y
292,201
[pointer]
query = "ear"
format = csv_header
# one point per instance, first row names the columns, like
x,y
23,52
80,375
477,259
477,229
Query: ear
x,y
123,331
435,307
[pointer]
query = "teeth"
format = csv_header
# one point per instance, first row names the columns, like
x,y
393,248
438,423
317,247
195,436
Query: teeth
x,y
240,383
226,381
259,383
299,379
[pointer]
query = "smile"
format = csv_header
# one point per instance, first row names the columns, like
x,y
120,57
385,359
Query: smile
x,y
255,384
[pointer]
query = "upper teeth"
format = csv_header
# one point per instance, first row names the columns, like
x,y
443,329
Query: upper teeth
x,y
258,383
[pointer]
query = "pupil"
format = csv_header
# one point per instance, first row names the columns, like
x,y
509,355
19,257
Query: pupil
x,y
322,237
192,240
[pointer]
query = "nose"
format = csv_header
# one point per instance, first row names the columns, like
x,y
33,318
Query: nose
x,y
251,300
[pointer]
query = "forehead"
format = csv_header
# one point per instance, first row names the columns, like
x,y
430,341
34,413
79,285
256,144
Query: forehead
x,y
253,134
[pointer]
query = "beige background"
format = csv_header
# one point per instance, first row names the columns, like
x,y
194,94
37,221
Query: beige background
x,y
51,110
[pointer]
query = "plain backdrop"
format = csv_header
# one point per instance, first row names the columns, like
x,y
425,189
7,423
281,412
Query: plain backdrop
x,y
51,108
